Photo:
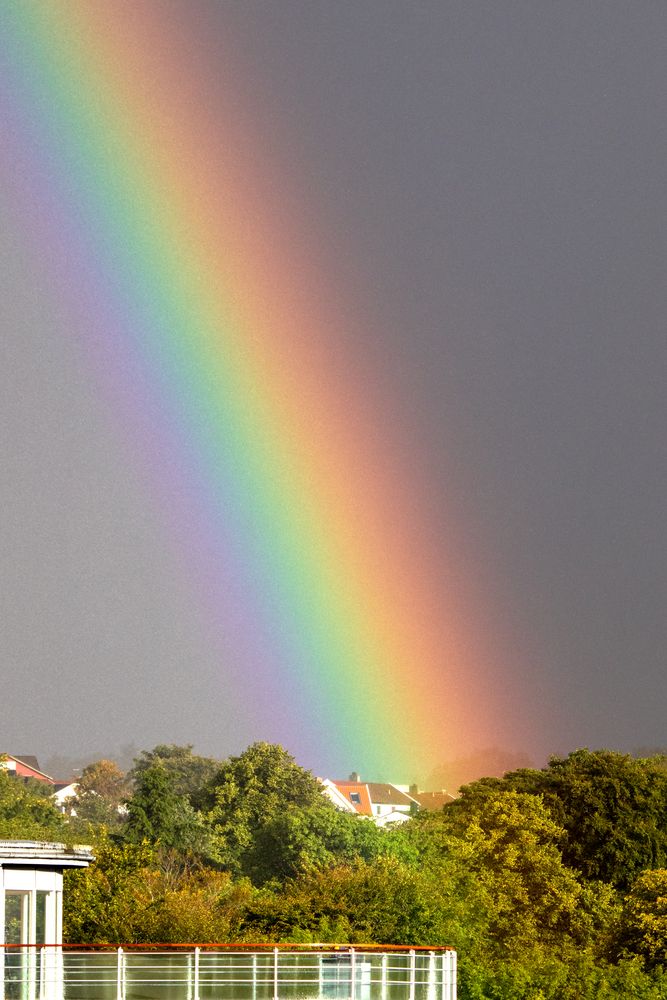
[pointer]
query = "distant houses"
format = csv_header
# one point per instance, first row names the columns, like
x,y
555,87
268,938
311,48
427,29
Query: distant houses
x,y
27,766
383,802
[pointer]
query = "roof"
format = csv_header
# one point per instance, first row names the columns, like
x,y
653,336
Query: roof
x,y
358,789
385,794
334,794
42,854
27,758
433,801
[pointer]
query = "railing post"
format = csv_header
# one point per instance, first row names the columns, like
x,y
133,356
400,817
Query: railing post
x,y
275,974
449,987
383,975
432,977
413,969
120,990
353,974
196,982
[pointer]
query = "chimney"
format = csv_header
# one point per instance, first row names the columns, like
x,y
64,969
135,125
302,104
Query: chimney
x,y
355,776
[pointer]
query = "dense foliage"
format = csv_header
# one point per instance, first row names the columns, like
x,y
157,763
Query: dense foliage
x,y
552,884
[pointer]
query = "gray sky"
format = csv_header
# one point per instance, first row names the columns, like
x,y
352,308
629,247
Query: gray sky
x,y
491,179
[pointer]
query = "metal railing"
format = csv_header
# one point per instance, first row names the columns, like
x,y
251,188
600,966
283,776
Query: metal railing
x,y
233,972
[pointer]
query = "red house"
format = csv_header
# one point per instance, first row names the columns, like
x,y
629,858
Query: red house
x,y
26,766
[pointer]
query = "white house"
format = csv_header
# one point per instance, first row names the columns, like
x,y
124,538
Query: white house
x,y
382,802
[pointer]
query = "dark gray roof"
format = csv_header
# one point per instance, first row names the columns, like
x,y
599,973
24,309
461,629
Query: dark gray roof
x,y
29,759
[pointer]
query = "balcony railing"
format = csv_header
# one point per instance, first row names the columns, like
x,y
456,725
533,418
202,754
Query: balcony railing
x,y
233,972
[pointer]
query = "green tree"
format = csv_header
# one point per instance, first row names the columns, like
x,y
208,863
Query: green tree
x,y
249,794
296,839
27,812
643,924
189,773
384,901
102,790
128,895
159,815
537,900
192,905
100,902
612,807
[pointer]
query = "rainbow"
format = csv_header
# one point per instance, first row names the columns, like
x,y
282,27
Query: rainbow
x,y
183,262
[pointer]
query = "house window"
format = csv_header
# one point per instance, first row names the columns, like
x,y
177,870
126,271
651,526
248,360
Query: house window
x,y
355,797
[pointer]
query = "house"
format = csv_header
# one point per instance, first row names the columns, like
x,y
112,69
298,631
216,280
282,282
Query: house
x,y
355,795
64,796
382,802
390,804
25,766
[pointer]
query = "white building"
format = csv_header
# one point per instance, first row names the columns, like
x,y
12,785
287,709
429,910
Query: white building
x,y
31,887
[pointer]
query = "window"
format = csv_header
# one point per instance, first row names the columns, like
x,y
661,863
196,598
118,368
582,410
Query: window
x,y
355,797
16,917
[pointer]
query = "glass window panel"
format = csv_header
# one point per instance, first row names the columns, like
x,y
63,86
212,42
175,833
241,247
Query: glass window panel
x,y
14,911
40,922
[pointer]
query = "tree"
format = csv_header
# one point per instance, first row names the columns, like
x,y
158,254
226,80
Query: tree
x,y
189,773
508,842
195,905
27,812
384,901
537,900
251,792
106,779
126,895
100,902
612,807
159,815
296,840
614,813
643,924
102,791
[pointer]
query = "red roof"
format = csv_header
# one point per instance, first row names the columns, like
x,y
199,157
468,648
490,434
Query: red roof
x,y
432,801
356,792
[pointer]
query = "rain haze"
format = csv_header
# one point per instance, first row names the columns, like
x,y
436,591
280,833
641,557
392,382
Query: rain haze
x,y
485,184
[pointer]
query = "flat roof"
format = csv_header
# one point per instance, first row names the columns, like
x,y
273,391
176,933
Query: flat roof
x,y
41,854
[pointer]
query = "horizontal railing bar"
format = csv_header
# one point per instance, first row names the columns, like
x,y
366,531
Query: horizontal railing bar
x,y
242,947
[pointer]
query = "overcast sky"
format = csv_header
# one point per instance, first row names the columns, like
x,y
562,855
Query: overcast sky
x,y
491,180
